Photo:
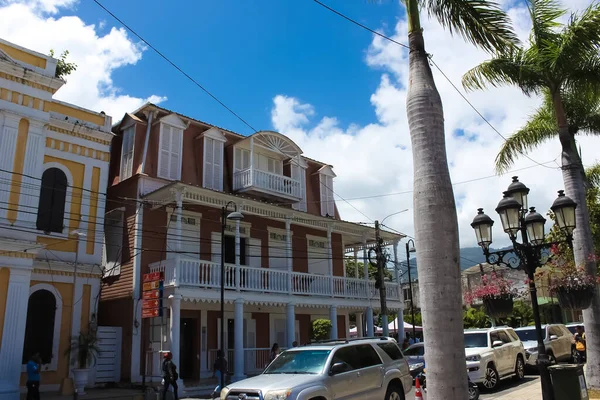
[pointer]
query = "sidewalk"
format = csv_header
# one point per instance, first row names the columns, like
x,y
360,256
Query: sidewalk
x,y
528,391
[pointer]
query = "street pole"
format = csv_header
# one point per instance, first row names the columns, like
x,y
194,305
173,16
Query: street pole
x,y
222,322
380,277
410,292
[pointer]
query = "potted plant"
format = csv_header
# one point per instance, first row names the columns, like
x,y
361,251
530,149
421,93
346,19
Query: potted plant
x,y
572,285
496,293
82,353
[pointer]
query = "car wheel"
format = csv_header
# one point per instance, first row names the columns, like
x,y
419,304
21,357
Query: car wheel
x,y
519,369
473,393
394,393
491,377
551,358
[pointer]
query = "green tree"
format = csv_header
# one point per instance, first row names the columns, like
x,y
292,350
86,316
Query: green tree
x,y
475,317
321,329
63,68
351,271
484,24
559,59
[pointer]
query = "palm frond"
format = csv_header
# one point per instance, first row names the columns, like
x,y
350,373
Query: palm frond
x,y
481,22
580,38
593,175
508,69
544,16
541,127
584,75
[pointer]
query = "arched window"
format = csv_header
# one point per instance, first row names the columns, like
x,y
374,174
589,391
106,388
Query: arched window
x,y
53,194
40,327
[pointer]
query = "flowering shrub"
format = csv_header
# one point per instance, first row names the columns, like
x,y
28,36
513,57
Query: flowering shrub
x,y
493,286
564,275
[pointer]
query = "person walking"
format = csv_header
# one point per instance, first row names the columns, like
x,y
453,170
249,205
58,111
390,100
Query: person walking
x,y
219,369
33,377
170,376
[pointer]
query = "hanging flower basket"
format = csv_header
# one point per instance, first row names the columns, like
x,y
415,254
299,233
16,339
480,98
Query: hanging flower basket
x,y
575,298
498,307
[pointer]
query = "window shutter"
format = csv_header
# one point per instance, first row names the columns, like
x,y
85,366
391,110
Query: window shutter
x,y
330,201
175,161
238,159
215,247
218,166
299,174
127,152
208,162
113,242
323,194
165,147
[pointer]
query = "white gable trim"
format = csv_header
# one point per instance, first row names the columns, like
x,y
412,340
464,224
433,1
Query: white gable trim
x,y
174,120
215,134
327,170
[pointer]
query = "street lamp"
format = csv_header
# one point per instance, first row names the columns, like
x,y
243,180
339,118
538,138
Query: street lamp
x,y
233,216
411,249
527,255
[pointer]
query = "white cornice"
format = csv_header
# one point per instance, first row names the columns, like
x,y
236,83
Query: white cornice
x,y
81,129
31,75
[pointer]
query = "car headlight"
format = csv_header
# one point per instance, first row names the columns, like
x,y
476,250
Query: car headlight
x,y
476,357
224,393
416,366
278,394
531,351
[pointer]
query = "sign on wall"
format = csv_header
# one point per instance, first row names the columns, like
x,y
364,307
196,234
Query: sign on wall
x,y
152,305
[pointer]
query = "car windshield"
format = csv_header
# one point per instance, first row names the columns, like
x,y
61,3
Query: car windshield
x,y
476,340
526,334
299,362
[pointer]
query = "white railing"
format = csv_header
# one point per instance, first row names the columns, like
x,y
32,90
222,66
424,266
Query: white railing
x,y
255,360
199,273
268,181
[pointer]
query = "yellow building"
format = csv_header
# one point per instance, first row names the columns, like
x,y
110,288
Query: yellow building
x,y
53,173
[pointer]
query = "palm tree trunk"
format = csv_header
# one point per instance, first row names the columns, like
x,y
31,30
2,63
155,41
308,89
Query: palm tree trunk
x,y
436,228
583,246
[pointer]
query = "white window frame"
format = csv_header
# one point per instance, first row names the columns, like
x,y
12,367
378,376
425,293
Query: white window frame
x,y
238,158
115,268
278,244
299,171
174,130
323,256
126,171
218,143
326,195
53,366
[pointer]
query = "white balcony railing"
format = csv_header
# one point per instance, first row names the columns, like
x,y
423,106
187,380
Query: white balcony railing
x,y
252,178
207,274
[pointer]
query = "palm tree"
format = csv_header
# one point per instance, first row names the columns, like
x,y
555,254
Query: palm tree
x,y
560,59
484,24
582,109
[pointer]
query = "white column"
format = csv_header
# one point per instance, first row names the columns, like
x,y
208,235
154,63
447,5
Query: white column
x,y
136,331
330,260
291,325
204,367
333,319
237,255
177,212
174,333
355,263
370,327
366,264
15,318
288,252
238,352
359,325
251,161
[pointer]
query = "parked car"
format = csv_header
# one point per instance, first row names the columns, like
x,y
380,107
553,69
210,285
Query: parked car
x,y
415,355
363,368
557,339
493,354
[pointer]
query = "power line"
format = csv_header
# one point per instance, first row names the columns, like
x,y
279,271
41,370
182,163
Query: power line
x,y
439,69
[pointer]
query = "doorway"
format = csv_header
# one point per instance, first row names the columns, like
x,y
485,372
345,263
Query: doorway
x,y
188,348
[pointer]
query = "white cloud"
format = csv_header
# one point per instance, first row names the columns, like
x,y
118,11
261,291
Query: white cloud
x,y
34,25
377,159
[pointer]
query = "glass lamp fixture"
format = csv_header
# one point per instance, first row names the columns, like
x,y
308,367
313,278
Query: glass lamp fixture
x,y
482,225
519,192
564,210
534,223
509,210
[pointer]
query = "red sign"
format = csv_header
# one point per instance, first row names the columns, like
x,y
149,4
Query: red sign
x,y
151,304
153,276
151,295
152,313
151,286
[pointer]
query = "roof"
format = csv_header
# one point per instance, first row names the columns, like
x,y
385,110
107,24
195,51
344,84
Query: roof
x,y
240,136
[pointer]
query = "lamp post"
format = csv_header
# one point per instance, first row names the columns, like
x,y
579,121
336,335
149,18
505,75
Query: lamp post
x,y
527,254
409,250
233,216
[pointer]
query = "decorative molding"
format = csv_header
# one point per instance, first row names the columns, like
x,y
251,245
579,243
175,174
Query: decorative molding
x,y
11,76
83,151
77,134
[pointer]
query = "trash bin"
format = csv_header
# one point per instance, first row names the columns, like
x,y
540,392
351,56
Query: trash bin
x,y
568,382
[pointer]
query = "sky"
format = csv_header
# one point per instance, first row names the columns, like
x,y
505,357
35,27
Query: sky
x,y
292,66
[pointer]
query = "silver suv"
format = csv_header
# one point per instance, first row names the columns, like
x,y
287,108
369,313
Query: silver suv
x,y
367,368
493,354
557,338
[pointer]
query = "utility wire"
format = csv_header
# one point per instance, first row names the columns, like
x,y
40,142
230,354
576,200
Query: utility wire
x,y
438,68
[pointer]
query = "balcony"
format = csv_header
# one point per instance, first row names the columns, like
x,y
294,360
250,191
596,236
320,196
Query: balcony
x,y
206,274
258,182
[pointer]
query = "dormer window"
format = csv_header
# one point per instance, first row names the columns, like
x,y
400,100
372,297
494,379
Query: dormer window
x,y
214,142
127,152
326,176
170,147
298,168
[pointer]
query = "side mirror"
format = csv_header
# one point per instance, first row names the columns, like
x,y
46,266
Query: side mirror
x,y
338,368
497,343
553,337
